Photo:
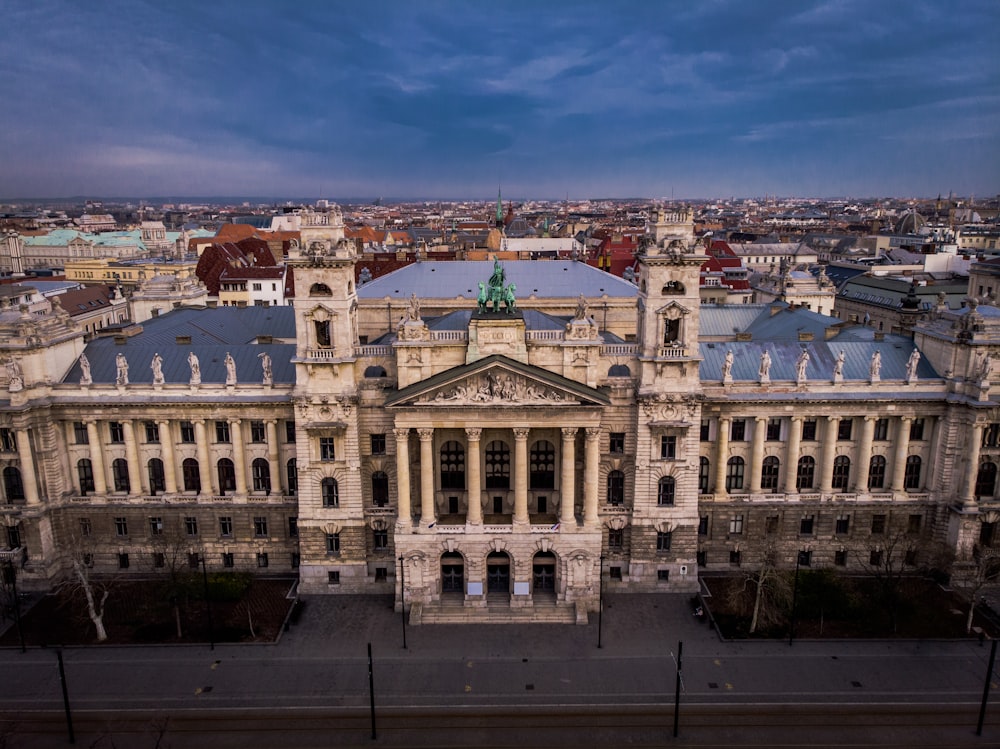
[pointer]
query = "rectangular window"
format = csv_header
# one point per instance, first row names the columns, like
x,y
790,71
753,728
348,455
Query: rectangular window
x,y
663,575
703,525
293,527
88,560
381,574
806,525
226,526
916,430
913,523
191,525
377,444
878,524
222,431
615,573
194,559
80,435
773,430
840,557
258,432
187,432
152,431
333,577
771,525
616,442
734,557
738,430
227,559
296,560
326,451
668,447
262,559
380,540
85,527
875,557
843,524
809,430
123,560
736,525
616,539
844,429
156,526
881,429
7,441
121,527
663,541
705,430
701,557
116,431
332,543
289,431
260,526
159,559
805,558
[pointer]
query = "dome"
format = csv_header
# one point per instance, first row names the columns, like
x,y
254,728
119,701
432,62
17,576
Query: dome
x,y
911,223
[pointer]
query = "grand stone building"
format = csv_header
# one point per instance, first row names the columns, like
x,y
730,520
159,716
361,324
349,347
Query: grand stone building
x,y
490,459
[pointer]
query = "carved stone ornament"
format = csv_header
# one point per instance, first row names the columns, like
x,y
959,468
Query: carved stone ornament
x,y
499,387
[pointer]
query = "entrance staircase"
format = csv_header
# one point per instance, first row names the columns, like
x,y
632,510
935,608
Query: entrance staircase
x,y
452,610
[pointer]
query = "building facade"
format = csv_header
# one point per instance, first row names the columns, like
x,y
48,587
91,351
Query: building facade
x,y
491,440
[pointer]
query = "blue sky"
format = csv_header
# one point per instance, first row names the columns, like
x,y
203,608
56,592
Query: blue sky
x,y
548,98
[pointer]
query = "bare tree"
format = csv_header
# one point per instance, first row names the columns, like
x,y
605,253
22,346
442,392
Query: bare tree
x,y
889,559
172,553
82,579
765,582
972,577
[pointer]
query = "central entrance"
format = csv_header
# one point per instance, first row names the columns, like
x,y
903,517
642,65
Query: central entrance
x,y
498,572
452,573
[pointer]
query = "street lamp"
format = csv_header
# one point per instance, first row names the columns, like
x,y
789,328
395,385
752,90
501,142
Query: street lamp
x,y
402,595
600,601
795,590
208,604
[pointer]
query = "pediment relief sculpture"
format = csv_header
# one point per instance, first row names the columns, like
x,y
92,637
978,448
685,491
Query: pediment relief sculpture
x,y
498,387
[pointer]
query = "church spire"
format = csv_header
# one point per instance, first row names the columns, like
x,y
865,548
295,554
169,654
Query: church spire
x,y
499,209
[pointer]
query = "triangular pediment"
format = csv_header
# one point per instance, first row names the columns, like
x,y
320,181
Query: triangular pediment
x,y
497,381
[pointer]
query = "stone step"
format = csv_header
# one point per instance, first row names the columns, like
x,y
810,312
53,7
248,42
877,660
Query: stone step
x,y
452,614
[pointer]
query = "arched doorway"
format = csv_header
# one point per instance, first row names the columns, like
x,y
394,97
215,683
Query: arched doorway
x,y
543,576
498,573
452,574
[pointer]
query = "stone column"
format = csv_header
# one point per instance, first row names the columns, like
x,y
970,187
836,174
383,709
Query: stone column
x,y
27,467
135,472
864,455
757,454
902,448
567,478
473,477
170,467
277,475
521,476
209,476
721,455
792,455
828,453
97,458
426,477
591,472
404,511
972,467
239,457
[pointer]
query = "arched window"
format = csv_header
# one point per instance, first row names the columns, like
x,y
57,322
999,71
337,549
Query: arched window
x,y
227,475
292,472
876,472
380,489
85,472
986,479
703,474
497,456
665,491
157,480
542,469
192,476
322,328
452,465
734,473
616,488
769,471
374,371
260,469
12,484
841,472
805,473
619,370
119,472
330,491
320,289
911,475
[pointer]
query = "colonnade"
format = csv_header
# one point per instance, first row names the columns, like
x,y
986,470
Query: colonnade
x,y
473,477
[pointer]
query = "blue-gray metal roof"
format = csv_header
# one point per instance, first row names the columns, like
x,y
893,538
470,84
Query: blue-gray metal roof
x,y
543,278
718,320
789,322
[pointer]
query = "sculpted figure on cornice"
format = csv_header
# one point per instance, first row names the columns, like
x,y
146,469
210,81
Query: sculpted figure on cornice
x,y
497,386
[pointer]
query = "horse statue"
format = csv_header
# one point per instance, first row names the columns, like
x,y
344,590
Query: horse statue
x,y
496,297
482,299
508,298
